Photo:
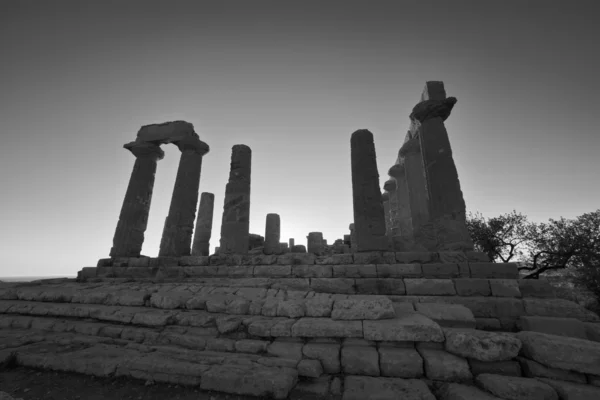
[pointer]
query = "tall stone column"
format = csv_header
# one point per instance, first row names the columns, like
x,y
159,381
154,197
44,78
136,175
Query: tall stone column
x,y
291,243
369,220
272,234
133,219
203,230
447,211
236,210
386,212
315,242
177,234
400,194
352,238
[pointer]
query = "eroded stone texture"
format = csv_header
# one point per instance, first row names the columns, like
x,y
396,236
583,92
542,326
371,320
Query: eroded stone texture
x,y
203,230
272,234
315,243
403,213
369,218
133,219
179,225
236,210
385,197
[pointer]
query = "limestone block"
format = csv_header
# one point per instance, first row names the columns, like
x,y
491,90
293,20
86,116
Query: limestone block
x,y
272,271
311,369
508,368
291,308
453,257
573,391
364,387
592,331
416,257
312,271
335,259
569,327
104,262
439,270
290,284
332,285
316,387
430,287
360,360
327,353
399,271
375,307
375,257
283,328
511,387
153,318
288,350
447,315
400,362
558,308
505,288
488,270
263,382
299,248
262,327
442,366
85,273
355,271
251,346
481,345
319,307
170,300
472,287
387,286
533,369
561,352
405,327
456,391
235,271
326,327
194,261
262,259
228,324
536,288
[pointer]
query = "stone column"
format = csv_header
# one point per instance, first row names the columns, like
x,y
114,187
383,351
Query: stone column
x,y
272,234
369,218
446,208
393,217
401,195
177,234
352,238
236,210
315,242
347,240
417,190
133,219
291,243
386,211
203,230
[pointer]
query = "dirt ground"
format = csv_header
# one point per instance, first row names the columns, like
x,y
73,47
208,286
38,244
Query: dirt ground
x,y
31,384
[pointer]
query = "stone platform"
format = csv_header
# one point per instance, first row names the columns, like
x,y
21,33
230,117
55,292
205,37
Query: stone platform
x,y
351,326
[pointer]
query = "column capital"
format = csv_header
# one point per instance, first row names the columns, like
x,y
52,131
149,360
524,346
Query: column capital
x,y
410,147
390,186
396,171
145,149
192,143
430,109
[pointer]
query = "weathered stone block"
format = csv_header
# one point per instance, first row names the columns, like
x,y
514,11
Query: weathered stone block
x,y
405,327
310,368
505,288
377,307
263,259
508,368
400,362
592,331
481,345
104,262
416,257
194,261
291,308
312,271
387,286
439,270
332,285
430,287
354,271
327,354
511,387
399,271
573,391
442,366
288,350
319,307
472,287
447,315
326,327
374,257
360,360
569,327
363,387
453,257
532,369
335,259
494,270
272,271
456,391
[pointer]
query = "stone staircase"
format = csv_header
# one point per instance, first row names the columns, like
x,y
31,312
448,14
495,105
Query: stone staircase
x,y
382,325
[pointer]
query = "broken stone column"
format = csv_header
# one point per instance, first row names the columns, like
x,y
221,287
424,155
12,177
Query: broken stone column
x,y
315,242
400,194
236,210
347,240
369,220
133,219
291,243
417,191
283,248
299,248
272,234
177,233
203,230
446,203
386,211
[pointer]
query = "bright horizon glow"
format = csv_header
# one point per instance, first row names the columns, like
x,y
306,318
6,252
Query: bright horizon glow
x,y
292,81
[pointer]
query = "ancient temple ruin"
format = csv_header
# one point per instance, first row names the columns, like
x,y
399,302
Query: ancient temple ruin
x,y
400,308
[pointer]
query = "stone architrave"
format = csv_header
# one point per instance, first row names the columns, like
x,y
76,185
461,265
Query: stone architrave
x,y
291,243
133,219
167,132
272,234
203,230
447,210
369,219
417,191
315,242
386,211
404,221
236,210
179,226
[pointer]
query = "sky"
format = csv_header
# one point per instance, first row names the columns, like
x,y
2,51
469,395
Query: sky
x,y
292,80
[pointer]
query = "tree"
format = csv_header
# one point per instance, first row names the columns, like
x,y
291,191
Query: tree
x,y
501,238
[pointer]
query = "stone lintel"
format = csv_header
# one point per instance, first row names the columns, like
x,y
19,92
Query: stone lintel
x,y
166,132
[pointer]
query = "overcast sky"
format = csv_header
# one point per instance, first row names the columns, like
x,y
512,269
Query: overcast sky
x,y
292,80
